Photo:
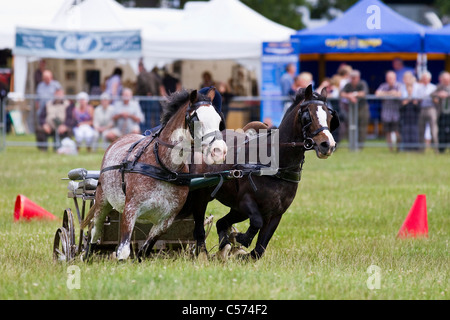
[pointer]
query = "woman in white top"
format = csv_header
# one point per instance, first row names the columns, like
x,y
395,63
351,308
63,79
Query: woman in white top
x,y
103,117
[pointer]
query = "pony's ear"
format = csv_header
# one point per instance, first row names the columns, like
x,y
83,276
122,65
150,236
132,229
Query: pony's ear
x,y
324,93
193,96
308,92
211,93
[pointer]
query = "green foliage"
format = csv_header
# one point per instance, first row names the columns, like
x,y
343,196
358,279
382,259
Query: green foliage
x,y
443,6
320,10
280,11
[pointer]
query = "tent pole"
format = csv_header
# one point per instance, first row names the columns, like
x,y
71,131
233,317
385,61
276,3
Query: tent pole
x,y
322,67
447,62
11,80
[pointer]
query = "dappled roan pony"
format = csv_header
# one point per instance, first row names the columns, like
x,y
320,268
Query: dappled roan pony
x,y
307,124
143,198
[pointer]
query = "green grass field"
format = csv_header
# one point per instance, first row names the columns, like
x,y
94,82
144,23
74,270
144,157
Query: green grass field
x,y
344,219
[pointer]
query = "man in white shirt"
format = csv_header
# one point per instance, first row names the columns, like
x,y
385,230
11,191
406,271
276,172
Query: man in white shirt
x,y
103,117
127,117
428,112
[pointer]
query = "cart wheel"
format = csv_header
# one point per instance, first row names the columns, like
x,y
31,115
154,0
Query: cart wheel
x,y
69,225
83,243
61,246
64,248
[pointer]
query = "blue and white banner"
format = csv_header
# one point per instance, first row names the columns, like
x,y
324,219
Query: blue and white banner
x,y
275,57
78,45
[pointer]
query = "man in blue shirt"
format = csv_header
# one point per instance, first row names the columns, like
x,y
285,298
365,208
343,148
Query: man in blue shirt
x,y
400,69
46,89
287,79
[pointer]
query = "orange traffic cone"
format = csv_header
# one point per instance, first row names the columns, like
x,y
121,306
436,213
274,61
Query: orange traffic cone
x,y
27,209
415,224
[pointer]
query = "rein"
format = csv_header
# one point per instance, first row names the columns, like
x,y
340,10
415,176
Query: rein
x,y
290,174
309,143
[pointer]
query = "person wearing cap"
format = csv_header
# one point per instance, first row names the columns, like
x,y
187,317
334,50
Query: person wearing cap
x,y
84,114
103,118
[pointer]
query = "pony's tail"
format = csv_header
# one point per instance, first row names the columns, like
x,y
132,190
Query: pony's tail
x,y
88,218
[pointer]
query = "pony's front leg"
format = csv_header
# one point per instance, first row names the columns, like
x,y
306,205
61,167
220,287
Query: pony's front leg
x,y
127,222
256,221
223,225
264,236
199,209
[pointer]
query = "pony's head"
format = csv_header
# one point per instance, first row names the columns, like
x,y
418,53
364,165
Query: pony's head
x,y
205,125
317,121
202,124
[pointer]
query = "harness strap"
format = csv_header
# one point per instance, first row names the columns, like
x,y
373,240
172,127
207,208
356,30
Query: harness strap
x,y
315,133
159,161
290,176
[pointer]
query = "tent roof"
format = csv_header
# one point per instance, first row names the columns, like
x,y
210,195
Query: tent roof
x,y
90,15
218,29
368,26
152,19
24,12
437,40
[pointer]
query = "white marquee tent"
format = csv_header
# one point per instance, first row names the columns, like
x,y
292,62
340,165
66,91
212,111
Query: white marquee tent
x,y
103,17
214,30
218,29
24,12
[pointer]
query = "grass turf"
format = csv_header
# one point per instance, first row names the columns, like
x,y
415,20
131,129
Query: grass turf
x,y
344,219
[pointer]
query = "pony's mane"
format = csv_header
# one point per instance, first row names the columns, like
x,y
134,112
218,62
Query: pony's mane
x,y
175,101
300,96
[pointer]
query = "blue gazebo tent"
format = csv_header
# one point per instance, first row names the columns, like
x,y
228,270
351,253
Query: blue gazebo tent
x,y
368,36
368,26
437,40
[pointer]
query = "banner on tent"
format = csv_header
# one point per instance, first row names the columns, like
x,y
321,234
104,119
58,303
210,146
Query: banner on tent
x,y
275,57
78,45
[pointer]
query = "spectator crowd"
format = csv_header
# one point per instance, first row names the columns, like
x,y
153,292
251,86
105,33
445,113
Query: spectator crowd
x,y
414,112
117,114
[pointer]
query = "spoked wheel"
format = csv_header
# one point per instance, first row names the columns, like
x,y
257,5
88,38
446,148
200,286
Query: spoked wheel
x,y
61,246
64,247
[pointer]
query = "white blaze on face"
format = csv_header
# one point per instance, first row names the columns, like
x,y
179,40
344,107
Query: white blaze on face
x,y
210,122
322,117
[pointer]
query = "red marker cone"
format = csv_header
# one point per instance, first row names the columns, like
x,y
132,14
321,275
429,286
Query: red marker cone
x,y
416,223
27,209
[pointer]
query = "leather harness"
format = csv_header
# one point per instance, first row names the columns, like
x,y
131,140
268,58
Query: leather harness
x,y
290,174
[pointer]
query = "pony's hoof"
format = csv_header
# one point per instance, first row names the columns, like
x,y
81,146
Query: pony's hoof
x,y
245,257
232,238
223,254
202,257
238,252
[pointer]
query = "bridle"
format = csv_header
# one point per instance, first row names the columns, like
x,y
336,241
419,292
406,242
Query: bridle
x,y
306,122
192,116
162,172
